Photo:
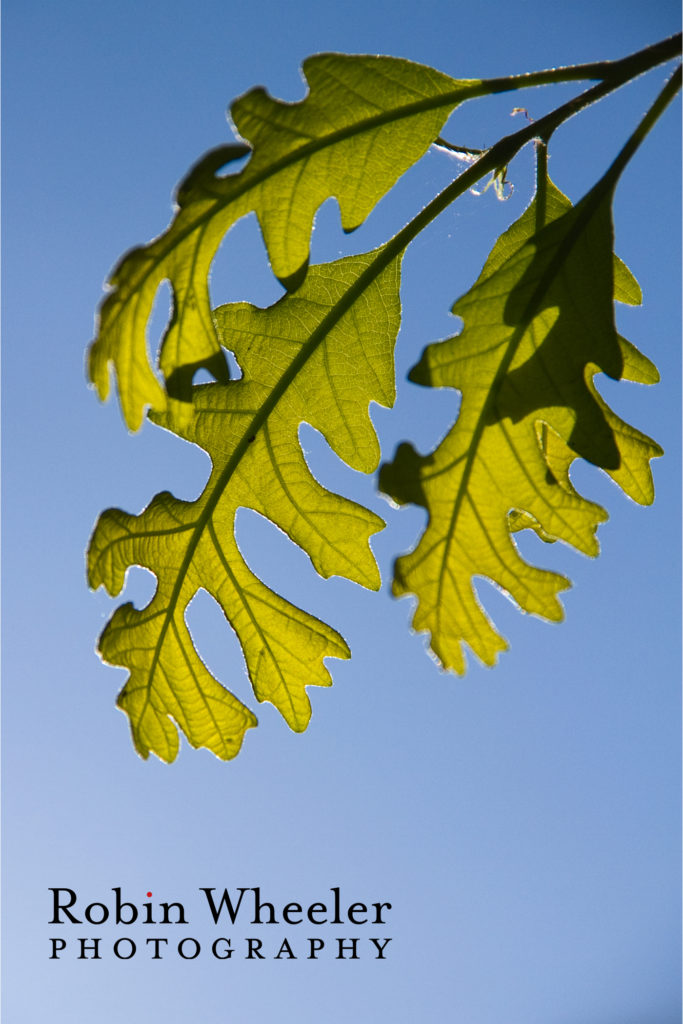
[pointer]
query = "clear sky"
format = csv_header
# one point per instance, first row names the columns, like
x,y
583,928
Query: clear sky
x,y
523,822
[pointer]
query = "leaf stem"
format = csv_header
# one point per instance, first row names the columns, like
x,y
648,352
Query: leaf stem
x,y
497,156
624,69
466,153
662,101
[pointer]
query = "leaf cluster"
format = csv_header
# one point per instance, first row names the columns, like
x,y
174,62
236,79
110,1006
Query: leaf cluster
x,y
538,327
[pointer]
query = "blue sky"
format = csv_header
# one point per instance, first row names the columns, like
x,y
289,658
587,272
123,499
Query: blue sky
x,y
523,822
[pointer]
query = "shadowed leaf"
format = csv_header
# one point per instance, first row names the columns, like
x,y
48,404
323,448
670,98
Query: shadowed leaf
x,y
539,324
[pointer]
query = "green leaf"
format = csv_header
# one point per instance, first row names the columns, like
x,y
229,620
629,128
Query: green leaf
x,y
321,356
364,122
538,325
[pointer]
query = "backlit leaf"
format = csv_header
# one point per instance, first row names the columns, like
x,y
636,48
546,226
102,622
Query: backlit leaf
x,y
538,326
318,356
364,122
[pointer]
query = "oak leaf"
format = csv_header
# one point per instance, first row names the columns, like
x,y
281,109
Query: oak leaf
x,y
364,122
538,326
318,356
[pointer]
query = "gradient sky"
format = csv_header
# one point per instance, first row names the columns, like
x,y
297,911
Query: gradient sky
x,y
524,821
